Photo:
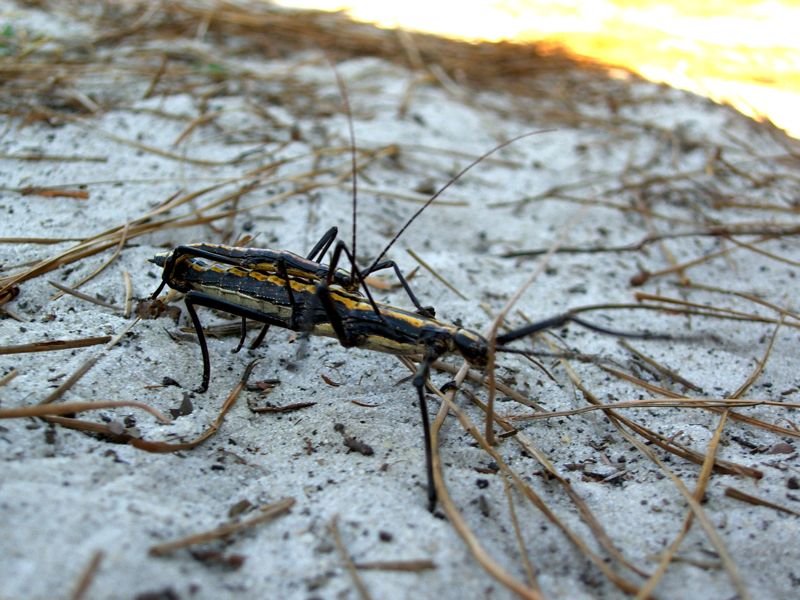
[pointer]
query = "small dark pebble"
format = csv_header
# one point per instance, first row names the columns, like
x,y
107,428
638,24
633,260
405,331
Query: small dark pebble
x,y
212,557
165,594
186,408
781,448
358,446
483,505
385,536
240,507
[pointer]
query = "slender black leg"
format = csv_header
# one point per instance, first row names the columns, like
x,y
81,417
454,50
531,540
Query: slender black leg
x,y
322,246
354,273
419,380
324,296
532,328
260,337
280,265
194,298
241,337
201,339
158,289
425,311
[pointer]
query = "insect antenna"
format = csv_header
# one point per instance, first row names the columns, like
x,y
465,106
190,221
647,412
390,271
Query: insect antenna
x,y
354,177
535,354
441,190
538,355
569,317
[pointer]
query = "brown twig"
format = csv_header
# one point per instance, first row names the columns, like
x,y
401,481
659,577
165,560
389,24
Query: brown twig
x,y
732,492
363,592
87,576
67,408
412,566
265,513
51,345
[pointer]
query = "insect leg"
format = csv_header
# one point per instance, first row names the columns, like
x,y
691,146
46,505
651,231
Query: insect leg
x,y
322,246
280,265
194,298
257,259
420,377
260,337
200,252
425,311
354,273
158,289
241,337
191,299
323,294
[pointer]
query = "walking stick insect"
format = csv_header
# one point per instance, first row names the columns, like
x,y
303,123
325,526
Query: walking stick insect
x,y
280,288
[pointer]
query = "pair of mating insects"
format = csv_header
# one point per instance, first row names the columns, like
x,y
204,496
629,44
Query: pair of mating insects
x,y
280,288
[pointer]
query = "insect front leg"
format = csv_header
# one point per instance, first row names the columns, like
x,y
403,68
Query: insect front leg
x,y
425,311
322,246
341,247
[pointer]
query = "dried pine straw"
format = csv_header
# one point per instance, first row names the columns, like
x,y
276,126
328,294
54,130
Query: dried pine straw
x,y
263,514
85,580
66,408
42,82
349,565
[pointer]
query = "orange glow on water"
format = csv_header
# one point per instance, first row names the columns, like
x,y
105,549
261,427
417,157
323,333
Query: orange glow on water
x,y
744,52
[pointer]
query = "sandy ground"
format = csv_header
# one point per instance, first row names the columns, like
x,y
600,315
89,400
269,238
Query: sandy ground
x,y
654,160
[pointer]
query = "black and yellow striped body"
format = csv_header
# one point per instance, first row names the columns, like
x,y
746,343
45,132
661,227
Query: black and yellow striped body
x,y
265,260
263,295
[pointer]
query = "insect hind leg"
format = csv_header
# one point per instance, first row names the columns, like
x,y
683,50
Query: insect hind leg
x,y
190,300
260,337
420,377
280,265
242,336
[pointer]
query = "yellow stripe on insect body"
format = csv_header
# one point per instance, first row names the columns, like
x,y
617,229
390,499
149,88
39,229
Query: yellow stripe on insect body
x,y
265,260
299,285
351,305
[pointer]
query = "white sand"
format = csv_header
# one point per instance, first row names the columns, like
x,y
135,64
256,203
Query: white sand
x,y
65,495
